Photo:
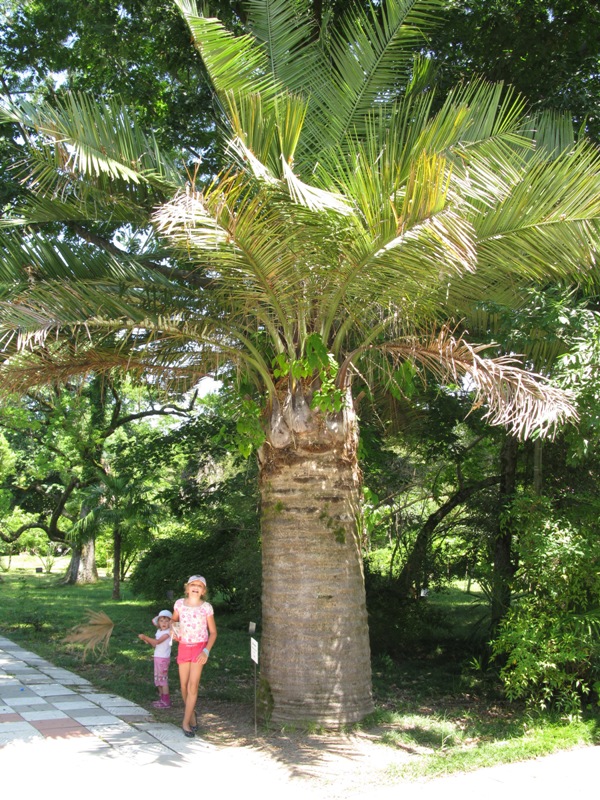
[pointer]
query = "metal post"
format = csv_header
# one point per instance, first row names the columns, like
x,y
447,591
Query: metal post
x,y
254,657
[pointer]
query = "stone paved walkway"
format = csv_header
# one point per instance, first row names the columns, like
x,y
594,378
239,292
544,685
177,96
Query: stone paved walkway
x,y
39,700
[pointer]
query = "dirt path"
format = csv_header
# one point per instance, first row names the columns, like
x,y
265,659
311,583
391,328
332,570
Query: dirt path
x,y
334,765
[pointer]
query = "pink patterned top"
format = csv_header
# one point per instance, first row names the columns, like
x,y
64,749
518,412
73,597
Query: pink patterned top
x,y
193,627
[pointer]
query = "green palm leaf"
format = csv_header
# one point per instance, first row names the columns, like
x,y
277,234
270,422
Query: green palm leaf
x,y
80,136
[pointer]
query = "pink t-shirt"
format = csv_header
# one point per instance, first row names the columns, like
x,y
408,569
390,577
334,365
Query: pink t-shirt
x,y
193,627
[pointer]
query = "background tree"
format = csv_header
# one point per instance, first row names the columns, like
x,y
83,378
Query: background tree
x,y
548,51
63,440
125,507
212,499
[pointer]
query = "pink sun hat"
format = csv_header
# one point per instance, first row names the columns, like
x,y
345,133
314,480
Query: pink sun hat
x,y
197,578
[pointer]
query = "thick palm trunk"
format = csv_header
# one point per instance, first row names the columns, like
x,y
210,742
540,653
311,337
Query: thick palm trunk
x,y
315,661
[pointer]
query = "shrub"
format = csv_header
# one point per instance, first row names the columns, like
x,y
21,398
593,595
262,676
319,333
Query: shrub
x,y
229,560
398,625
549,642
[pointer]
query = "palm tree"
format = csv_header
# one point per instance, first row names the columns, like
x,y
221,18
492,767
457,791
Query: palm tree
x,y
352,230
115,502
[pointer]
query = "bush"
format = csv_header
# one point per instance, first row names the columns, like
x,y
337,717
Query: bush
x,y
398,625
549,642
229,560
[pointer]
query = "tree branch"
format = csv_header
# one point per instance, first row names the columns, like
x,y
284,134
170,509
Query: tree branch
x,y
167,410
189,276
417,554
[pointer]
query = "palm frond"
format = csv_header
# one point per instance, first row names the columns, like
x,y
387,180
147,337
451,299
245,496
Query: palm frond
x,y
523,402
370,52
289,36
252,239
94,634
348,210
235,64
41,210
553,132
77,135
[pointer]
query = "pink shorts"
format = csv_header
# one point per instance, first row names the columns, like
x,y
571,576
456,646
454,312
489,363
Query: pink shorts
x,y
189,652
161,671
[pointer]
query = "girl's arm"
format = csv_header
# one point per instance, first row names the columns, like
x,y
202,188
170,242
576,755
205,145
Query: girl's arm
x,y
174,618
152,641
212,638
212,632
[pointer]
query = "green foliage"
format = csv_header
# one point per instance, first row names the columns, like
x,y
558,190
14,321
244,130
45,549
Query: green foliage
x,y
375,513
82,464
549,642
229,561
250,432
398,625
136,50
578,372
548,51
8,458
317,365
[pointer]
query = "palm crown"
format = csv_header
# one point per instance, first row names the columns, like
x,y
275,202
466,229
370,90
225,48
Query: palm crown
x,y
351,216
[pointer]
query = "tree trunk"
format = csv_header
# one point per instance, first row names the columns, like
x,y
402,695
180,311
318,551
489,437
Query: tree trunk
x,y
315,656
117,541
82,567
503,569
413,575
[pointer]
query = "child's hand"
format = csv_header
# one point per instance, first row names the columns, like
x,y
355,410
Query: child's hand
x,y
142,636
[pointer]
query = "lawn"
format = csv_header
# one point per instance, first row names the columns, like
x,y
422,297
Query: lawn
x,y
446,714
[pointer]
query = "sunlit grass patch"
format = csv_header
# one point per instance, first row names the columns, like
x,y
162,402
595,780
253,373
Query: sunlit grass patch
x,y
423,733
473,748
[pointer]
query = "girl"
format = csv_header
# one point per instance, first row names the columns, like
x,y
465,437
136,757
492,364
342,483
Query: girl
x,y
162,657
196,634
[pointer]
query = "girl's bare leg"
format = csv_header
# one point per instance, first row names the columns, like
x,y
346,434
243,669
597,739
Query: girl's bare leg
x,y
191,694
184,676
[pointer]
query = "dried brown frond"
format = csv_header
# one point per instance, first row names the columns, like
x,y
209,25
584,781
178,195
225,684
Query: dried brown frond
x,y
24,371
94,634
523,402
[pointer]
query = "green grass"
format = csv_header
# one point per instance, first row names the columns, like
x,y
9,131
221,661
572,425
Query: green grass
x,y
38,611
430,704
462,747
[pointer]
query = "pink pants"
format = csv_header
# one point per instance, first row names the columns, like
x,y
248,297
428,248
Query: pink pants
x,y
161,671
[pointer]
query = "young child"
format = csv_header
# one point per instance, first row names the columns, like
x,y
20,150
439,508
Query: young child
x,y
196,633
162,656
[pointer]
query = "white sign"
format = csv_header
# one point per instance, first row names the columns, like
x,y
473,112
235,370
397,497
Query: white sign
x,y
254,650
